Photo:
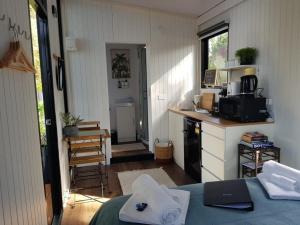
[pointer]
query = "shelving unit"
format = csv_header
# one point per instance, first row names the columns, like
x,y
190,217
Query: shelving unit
x,y
255,159
89,146
238,68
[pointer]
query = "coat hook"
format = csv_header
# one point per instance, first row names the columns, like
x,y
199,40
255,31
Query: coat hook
x,y
16,35
11,27
19,31
3,17
27,37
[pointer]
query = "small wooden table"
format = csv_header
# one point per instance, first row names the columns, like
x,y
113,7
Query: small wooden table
x,y
90,134
88,140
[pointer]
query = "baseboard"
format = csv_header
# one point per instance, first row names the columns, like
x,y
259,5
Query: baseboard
x,y
132,158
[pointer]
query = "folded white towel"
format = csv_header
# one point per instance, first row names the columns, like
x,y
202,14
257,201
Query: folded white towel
x,y
275,191
165,207
162,204
283,182
280,169
181,197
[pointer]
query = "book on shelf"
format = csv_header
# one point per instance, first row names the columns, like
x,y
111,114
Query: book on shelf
x,y
254,137
254,134
264,144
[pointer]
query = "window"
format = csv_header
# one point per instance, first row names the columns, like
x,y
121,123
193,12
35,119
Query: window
x,y
214,54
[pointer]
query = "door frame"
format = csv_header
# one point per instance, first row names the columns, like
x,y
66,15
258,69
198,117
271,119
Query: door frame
x,y
149,93
49,105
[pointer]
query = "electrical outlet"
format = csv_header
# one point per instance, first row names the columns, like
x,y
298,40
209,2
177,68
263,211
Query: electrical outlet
x,y
269,101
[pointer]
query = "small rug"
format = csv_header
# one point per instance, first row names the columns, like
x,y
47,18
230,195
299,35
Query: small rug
x,y
127,178
128,147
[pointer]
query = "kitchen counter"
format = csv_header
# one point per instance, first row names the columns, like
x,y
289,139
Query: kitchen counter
x,y
213,120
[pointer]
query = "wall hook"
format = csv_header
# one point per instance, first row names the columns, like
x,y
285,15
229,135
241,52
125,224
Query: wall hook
x,y
19,31
16,35
3,17
27,37
11,27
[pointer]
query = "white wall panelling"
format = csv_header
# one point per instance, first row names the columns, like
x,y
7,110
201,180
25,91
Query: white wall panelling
x,y
22,200
171,54
272,26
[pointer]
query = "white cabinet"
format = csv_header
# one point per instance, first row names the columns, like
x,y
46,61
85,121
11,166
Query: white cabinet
x,y
220,151
219,145
208,176
126,125
176,135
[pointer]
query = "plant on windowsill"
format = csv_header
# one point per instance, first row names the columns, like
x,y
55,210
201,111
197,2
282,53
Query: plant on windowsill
x,y
70,124
246,56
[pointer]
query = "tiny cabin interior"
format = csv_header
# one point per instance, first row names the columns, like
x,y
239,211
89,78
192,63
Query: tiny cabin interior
x,y
149,112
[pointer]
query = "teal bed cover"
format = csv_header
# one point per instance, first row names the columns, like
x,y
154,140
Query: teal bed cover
x,y
266,211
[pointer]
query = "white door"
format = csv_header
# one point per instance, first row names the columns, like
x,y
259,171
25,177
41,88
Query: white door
x,y
126,125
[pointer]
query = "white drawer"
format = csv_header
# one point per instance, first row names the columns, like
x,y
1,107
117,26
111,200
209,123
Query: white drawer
x,y
213,145
213,130
207,176
213,164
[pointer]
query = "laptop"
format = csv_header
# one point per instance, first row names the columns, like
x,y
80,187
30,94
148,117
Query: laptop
x,y
232,194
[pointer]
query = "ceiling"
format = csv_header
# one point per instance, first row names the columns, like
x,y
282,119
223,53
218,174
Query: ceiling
x,y
189,7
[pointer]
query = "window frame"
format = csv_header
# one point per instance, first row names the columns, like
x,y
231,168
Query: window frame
x,y
204,50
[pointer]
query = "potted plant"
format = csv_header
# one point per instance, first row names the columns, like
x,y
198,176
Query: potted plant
x,y
70,124
246,56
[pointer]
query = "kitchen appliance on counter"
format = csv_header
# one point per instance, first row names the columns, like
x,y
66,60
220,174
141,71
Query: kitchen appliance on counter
x,y
192,148
233,88
249,81
243,108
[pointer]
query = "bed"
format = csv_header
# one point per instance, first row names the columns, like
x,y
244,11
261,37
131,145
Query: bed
x,y
266,211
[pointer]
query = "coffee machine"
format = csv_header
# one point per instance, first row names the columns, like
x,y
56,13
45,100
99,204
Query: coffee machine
x,y
249,82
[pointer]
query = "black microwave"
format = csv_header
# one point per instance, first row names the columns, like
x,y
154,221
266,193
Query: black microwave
x,y
243,108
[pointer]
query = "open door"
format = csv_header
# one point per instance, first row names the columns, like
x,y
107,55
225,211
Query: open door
x,y
46,109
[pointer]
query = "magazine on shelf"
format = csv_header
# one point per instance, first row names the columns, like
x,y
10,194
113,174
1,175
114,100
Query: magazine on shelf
x,y
265,144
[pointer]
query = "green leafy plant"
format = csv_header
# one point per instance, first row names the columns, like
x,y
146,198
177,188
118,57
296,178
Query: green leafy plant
x,y
247,55
70,120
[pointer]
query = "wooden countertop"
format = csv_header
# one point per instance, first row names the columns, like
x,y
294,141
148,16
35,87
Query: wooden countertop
x,y
213,120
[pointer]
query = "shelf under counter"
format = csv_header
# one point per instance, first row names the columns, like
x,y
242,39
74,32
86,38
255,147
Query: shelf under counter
x,y
214,120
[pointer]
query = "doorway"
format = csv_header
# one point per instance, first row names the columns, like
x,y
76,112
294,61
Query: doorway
x,y
46,109
128,101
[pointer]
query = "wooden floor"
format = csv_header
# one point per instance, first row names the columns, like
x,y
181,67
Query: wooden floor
x,y
82,213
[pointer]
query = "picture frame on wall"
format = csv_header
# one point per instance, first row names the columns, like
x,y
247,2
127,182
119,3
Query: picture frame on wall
x,y
210,77
120,63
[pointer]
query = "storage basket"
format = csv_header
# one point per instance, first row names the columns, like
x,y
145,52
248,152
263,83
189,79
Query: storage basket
x,y
163,151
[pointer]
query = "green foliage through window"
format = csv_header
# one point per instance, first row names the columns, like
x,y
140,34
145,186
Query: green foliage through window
x,y
217,55
217,51
38,77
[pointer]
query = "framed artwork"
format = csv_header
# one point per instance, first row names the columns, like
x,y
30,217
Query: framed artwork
x,y
120,63
210,77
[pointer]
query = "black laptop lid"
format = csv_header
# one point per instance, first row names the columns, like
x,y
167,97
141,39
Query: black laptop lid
x,y
228,194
